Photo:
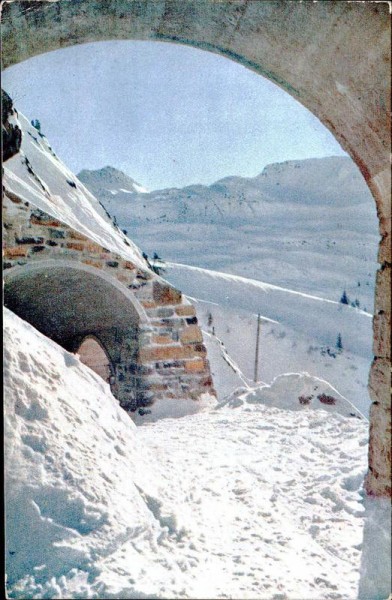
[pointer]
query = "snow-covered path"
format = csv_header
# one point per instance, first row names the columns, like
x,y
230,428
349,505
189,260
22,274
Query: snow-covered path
x,y
240,501
273,509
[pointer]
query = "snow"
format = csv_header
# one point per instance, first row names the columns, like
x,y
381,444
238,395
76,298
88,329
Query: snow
x,y
138,188
239,501
257,495
72,463
309,225
298,332
53,188
297,391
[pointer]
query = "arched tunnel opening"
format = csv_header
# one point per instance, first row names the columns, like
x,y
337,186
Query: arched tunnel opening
x,y
93,354
85,313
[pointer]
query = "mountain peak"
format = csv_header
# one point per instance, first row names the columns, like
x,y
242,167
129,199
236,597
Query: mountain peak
x,y
109,181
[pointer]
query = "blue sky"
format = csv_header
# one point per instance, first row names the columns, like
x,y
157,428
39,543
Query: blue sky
x,y
167,115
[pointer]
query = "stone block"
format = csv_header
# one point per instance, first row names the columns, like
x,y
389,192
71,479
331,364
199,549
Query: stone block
x,y
57,234
384,250
185,310
92,263
30,240
112,263
380,382
168,323
148,304
129,265
164,313
15,251
165,353
123,277
75,246
44,220
378,479
161,339
15,199
382,335
191,334
75,235
93,248
165,294
195,366
383,290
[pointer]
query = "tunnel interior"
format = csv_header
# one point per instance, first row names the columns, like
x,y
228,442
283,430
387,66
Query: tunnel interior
x,y
92,354
80,311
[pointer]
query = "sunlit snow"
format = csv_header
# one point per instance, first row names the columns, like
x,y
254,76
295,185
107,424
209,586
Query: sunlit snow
x,y
259,495
239,502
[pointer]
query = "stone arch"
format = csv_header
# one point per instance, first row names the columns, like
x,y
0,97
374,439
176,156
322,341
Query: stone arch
x,y
70,302
333,57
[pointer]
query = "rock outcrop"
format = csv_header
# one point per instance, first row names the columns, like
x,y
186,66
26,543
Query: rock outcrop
x,y
11,134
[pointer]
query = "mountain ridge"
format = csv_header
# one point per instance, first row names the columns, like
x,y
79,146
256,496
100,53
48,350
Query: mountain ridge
x,y
305,224
339,166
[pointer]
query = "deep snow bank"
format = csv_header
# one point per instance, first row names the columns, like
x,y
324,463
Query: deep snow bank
x,y
253,501
296,391
78,482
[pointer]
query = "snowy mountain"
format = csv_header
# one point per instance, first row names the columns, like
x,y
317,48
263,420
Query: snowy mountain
x,y
309,225
107,182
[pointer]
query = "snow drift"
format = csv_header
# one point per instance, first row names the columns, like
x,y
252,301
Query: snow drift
x,y
296,391
77,479
225,503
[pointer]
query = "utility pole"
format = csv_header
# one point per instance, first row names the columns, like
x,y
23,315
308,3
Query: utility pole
x,y
257,347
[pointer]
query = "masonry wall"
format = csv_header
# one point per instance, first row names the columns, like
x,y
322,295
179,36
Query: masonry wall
x,y
166,357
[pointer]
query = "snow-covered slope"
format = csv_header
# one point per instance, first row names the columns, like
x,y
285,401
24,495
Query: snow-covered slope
x,y
308,225
38,176
245,502
299,332
295,391
107,182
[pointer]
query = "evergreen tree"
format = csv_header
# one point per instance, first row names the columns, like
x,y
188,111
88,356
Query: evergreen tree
x,y
339,344
344,298
35,123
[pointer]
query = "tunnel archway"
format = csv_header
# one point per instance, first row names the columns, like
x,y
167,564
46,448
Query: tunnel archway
x,y
92,353
332,57
75,305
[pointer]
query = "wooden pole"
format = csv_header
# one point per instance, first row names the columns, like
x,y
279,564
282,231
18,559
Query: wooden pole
x,y
257,347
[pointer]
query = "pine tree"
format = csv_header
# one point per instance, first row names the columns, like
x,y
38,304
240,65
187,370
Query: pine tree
x,y
344,298
339,344
35,123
